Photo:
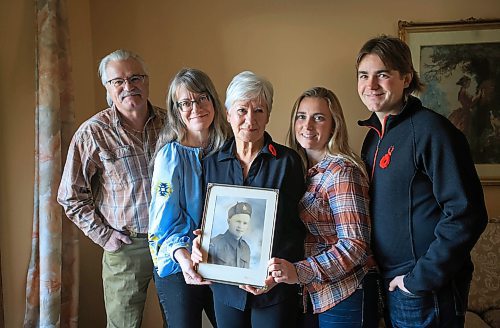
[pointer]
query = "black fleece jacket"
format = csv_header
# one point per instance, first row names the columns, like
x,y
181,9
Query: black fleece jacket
x,y
427,202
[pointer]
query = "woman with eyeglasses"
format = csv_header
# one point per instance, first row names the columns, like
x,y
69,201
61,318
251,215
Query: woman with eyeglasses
x,y
195,127
335,210
253,159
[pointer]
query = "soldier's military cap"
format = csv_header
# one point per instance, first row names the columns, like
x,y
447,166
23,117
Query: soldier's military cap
x,y
239,208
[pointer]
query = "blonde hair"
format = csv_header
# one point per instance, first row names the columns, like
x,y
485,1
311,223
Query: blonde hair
x,y
338,143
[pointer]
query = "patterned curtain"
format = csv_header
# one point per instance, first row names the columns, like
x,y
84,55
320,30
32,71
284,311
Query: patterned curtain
x,y
52,280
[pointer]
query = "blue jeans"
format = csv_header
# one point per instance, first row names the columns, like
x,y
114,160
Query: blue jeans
x,y
443,308
183,304
358,310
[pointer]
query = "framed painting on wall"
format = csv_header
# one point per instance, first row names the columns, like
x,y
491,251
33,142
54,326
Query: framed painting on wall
x,y
459,63
237,234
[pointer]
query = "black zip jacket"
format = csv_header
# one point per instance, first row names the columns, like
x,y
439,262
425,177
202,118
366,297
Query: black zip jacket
x,y
427,202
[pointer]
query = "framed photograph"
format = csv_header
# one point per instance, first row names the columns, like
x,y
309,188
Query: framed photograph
x,y
237,234
459,62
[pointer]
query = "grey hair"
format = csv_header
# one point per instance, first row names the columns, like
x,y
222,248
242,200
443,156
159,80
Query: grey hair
x,y
246,86
117,55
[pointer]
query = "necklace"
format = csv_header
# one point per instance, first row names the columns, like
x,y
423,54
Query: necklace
x,y
249,161
130,128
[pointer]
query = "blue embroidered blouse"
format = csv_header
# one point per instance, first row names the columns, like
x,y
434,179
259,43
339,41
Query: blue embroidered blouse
x,y
176,204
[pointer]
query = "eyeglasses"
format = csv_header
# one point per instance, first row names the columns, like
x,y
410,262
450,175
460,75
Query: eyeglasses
x,y
134,80
187,105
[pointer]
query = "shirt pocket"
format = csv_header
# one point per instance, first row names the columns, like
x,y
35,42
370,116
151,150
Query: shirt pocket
x,y
117,166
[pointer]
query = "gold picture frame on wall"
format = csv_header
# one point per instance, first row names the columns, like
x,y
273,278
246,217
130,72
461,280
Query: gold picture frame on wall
x,y
459,63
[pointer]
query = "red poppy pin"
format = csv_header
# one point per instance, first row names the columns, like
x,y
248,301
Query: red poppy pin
x,y
272,150
386,159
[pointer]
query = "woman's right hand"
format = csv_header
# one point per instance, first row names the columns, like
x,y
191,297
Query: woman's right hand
x,y
196,255
282,271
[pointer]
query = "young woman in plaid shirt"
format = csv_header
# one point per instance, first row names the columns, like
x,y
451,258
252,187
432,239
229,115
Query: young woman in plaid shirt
x,y
335,210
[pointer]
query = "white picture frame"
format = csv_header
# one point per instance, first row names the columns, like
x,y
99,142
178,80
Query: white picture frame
x,y
219,202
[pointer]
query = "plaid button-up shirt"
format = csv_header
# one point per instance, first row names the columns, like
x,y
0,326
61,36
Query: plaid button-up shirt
x,y
106,182
335,210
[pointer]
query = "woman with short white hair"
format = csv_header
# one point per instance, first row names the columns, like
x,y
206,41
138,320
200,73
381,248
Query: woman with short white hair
x,y
252,158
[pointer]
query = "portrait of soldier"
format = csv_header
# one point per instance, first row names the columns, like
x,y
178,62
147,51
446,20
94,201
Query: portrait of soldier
x,y
230,248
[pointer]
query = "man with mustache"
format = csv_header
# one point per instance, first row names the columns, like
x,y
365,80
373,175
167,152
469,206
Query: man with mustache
x,y
105,188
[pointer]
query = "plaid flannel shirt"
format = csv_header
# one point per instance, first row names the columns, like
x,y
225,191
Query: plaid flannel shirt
x,y
335,210
106,180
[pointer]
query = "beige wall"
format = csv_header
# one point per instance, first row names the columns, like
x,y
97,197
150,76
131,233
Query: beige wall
x,y
17,101
296,44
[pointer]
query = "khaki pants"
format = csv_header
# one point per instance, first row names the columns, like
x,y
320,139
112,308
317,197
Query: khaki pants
x,y
126,274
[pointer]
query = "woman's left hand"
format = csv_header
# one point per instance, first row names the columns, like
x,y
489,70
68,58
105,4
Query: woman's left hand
x,y
282,271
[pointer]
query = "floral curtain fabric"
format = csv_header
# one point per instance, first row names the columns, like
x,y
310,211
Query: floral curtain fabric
x,y
52,280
